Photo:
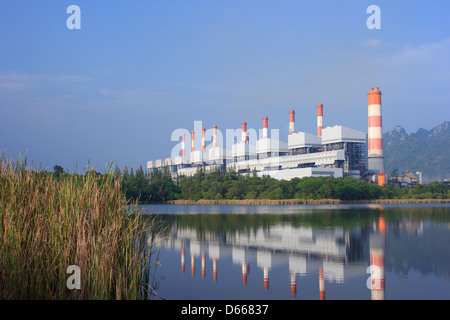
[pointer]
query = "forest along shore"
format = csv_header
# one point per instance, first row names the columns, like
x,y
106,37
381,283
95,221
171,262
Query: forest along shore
x,y
308,201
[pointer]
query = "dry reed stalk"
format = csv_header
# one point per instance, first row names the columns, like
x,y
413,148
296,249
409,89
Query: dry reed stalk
x,y
48,224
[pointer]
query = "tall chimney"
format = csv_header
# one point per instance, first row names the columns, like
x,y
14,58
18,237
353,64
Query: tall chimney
x,y
192,141
203,140
214,136
265,126
375,157
244,132
182,145
319,119
291,122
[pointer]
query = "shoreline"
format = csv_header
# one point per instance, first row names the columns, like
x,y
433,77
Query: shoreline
x,y
308,201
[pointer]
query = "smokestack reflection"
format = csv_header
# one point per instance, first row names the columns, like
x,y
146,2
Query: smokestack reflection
x,y
321,284
266,278
377,260
182,259
293,285
203,265
305,249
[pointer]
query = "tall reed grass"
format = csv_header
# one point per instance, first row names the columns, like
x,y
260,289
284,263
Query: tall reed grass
x,y
48,224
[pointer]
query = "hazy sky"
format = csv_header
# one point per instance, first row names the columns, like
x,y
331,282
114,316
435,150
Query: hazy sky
x,y
137,70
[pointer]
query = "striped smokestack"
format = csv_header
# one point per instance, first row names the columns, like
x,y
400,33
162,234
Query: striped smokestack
x,y
203,140
319,119
244,137
291,122
182,145
265,127
193,141
214,136
375,157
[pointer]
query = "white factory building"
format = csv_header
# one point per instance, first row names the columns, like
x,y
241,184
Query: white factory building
x,y
335,151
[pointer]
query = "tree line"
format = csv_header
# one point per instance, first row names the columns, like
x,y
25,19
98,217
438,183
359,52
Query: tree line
x,y
154,186
159,187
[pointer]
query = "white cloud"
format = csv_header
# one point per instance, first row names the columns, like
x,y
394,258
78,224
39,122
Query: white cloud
x,y
371,43
19,81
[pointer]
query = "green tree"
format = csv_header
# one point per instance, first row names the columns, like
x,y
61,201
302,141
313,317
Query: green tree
x,y
58,171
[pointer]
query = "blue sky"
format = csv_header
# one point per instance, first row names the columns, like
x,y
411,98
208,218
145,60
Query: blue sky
x,y
137,70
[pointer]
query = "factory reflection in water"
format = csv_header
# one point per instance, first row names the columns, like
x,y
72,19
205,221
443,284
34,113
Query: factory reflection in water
x,y
333,254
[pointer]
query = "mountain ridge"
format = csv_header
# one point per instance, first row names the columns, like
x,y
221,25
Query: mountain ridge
x,y
424,150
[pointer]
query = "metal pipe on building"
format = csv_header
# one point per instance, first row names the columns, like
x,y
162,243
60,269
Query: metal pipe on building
x,y
319,119
375,157
291,122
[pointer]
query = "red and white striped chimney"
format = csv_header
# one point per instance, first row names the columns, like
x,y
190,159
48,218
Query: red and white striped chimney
x,y
192,141
182,145
375,149
265,127
214,136
244,137
203,140
319,119
291,122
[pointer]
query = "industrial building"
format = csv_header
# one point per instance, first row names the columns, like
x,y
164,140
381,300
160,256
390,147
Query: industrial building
x,y
335,151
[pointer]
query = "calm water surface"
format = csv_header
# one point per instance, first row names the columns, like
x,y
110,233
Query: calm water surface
x,y
303,252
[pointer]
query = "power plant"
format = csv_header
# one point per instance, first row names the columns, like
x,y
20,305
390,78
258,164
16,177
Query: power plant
x,y
335,151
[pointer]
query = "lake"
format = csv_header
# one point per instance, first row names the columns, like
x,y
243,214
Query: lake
x,y
305,252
